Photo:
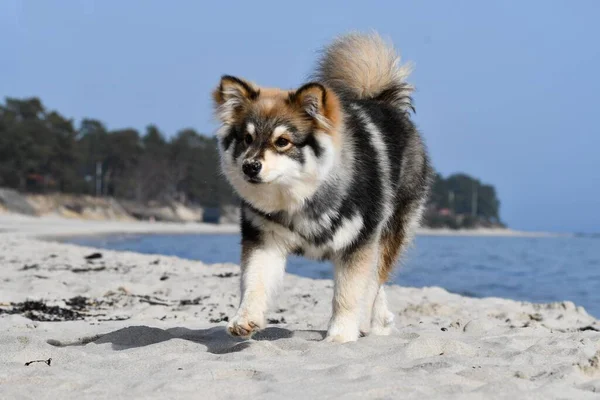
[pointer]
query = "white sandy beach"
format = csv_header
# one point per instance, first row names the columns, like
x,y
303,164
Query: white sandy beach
x,y
153,327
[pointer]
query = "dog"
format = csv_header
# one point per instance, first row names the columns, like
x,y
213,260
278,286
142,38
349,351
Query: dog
x,y
334,170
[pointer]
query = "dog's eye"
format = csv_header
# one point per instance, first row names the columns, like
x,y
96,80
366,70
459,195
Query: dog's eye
x,y
248,138
282,142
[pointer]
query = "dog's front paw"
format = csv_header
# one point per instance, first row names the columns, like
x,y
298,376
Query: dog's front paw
x,y
242,325
342,333
341,338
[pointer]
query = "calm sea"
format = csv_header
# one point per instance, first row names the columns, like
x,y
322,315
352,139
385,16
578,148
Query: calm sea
x,y
543,269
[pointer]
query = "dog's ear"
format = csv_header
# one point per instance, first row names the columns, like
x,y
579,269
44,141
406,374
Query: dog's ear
x,y
232,96
320,103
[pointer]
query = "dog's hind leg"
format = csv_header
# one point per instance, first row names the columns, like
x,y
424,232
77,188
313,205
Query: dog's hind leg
x,y
394,241
382,319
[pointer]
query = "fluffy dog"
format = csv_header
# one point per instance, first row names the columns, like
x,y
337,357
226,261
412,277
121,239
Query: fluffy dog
x,y
332,170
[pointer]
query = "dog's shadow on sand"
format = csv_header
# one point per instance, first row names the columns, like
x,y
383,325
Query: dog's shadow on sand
x,y
216,339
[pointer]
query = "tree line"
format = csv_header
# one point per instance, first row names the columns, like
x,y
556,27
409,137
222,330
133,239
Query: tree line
x,y
43,151
461,201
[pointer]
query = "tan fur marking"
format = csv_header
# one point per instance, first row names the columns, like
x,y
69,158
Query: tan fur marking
x,y
333,112
311,97
273,92
359,265
273,102
391,244
268,160
394,241
266,103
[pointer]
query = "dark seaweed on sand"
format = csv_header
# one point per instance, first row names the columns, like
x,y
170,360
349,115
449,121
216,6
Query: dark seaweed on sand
x,y
40,311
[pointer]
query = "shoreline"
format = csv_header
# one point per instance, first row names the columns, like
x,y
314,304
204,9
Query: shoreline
x,y
49,227
486,232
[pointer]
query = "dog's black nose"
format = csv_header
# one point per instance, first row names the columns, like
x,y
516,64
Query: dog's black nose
x,y
251,168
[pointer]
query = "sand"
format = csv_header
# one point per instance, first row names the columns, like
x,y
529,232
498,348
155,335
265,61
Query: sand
x,y
127,325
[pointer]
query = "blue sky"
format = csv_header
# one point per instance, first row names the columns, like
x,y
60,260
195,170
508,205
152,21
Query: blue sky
x,y
507,90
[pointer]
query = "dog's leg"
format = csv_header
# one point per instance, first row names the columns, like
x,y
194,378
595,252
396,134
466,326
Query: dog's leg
x,y
263,267
392,244
372,288
382,320
352,275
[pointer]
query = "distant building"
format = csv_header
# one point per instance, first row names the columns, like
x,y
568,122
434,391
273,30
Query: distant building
x,y
38,183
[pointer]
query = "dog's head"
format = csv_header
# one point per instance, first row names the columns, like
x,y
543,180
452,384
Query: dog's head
x,y
277,146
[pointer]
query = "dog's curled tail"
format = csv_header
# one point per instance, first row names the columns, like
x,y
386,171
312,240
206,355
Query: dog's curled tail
x,y
364,66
